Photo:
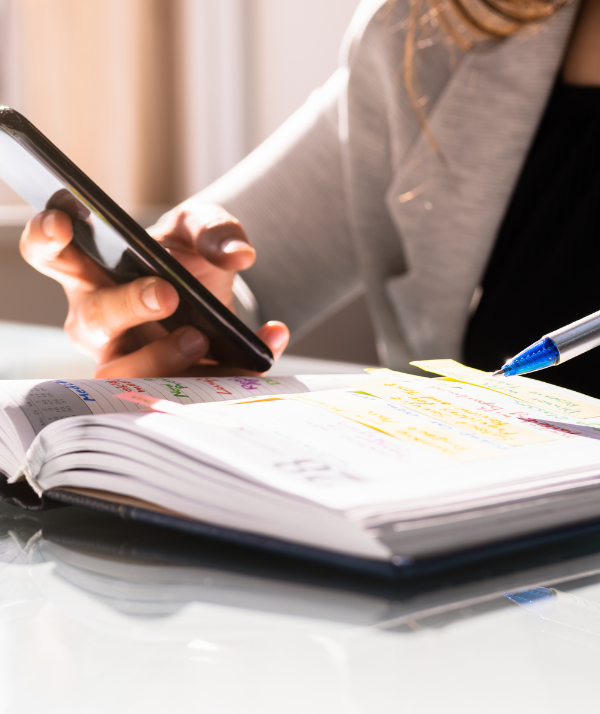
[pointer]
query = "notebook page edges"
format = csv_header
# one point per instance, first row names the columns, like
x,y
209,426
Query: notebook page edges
x,y
322,455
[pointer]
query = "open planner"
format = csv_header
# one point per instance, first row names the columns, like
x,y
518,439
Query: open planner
x,y
374,471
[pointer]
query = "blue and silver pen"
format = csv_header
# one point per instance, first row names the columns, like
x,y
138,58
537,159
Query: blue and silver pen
x,y
556,347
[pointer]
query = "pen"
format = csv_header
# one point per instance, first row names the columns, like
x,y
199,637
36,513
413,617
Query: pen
x,y
556,347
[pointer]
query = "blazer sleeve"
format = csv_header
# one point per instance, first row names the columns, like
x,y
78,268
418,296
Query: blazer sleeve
x,y
289,196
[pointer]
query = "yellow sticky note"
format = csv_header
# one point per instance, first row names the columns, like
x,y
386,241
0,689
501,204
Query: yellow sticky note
x,y
556,399
436,437
447,410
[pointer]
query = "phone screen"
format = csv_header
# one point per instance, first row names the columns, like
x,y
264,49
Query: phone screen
x,y
44,191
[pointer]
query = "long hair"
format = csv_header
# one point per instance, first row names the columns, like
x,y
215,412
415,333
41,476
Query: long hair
x,y
465,23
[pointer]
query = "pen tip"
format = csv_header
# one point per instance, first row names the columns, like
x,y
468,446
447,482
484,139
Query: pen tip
x,y
499,373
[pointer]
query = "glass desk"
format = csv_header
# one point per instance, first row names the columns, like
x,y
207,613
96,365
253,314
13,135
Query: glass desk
x,y
99,615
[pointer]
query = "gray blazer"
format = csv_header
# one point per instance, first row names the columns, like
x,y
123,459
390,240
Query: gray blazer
x,y
348,196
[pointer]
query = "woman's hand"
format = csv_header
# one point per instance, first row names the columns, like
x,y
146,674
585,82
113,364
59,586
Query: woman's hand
x,y
117,324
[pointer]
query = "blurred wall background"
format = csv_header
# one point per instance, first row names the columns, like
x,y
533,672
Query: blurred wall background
x,y
155,99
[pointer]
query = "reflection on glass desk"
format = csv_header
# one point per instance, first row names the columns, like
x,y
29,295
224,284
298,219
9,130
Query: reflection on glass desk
x,y
99,615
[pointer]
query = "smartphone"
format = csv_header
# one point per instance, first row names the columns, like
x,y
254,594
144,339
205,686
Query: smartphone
x,y
44,177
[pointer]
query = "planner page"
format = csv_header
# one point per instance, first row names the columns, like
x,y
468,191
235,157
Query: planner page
x,y
28,406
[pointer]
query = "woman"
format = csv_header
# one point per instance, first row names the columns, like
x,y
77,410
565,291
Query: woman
x,y
394,179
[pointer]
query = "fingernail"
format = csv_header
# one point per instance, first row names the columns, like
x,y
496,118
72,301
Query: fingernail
x,y
233,245
48,224
193,342
149,296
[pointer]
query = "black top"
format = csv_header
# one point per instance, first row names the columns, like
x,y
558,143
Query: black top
x,y
545,268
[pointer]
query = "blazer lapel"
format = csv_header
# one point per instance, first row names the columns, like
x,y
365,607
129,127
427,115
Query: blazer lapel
x,y
447,215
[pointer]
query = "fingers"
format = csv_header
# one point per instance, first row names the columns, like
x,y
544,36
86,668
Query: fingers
x,y
106,313
179,353
225,245
45,236
170,357
102,314
209,231
46,245
276,336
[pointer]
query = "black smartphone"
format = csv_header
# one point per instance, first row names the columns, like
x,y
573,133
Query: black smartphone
x,y
44,177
